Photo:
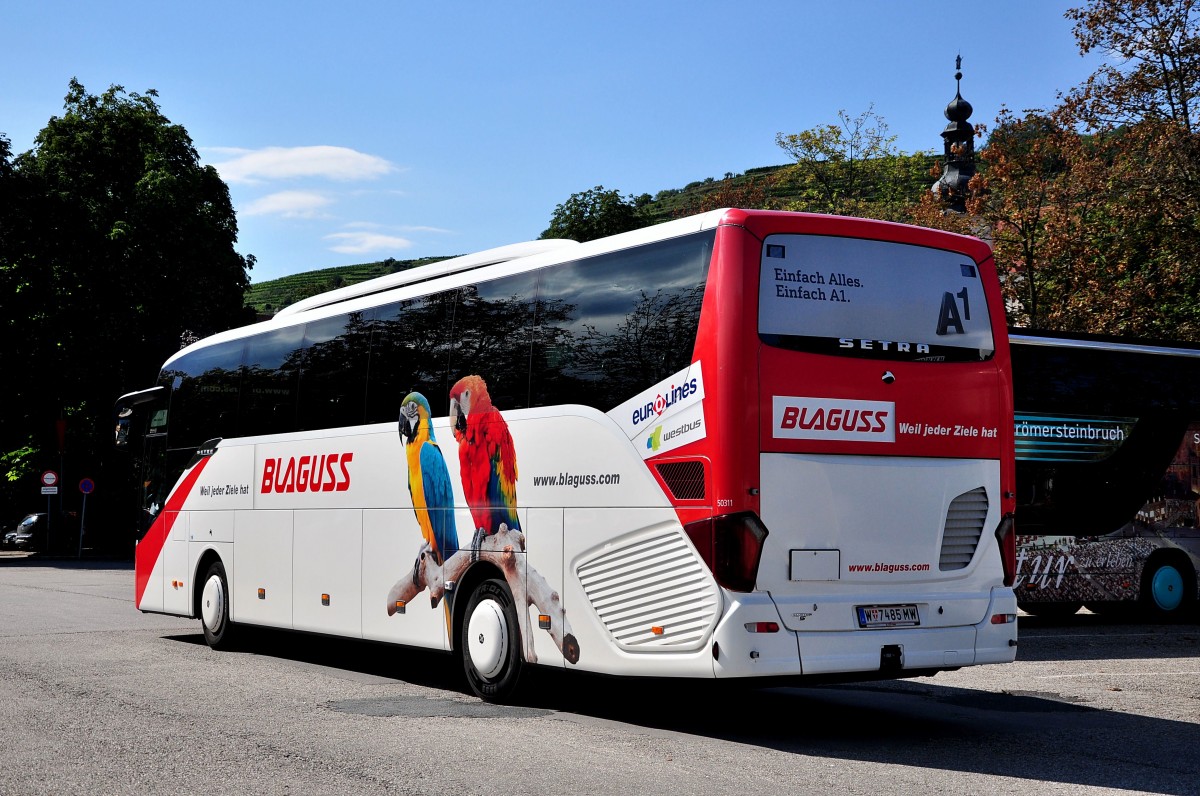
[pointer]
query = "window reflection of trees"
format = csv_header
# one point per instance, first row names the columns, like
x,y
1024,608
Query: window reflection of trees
x,y
493,333
333,371
655,340
607,335
409,350
270,377
205,404
612,326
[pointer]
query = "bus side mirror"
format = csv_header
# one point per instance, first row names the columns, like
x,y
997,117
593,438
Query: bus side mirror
x,y
121,439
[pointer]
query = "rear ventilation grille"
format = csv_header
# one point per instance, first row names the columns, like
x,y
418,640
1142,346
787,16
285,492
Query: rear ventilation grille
x,y
652,593
684,479
964,526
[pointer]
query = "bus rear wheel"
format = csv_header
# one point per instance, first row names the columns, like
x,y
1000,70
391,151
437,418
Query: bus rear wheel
x,y
1168,588
491,642
214,608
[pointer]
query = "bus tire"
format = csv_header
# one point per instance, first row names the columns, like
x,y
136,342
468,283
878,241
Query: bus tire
x,y
214,608
1168,587
491,642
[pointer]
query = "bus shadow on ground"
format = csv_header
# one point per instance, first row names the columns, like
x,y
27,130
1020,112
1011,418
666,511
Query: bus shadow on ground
x,y
1035,737
1087,637
1030,736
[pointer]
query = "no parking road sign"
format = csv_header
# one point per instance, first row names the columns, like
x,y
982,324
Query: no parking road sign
x,y
87,486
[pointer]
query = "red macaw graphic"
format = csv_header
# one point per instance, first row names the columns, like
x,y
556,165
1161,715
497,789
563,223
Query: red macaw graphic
x,y
487,459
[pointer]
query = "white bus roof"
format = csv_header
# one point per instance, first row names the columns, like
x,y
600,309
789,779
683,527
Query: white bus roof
x,y
500,254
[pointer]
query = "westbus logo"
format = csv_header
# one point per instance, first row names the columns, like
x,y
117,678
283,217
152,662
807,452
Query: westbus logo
x,y
833,419
325,473
686,429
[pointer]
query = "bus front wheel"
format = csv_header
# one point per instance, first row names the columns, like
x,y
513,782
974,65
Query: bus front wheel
x,y
214,608
491,642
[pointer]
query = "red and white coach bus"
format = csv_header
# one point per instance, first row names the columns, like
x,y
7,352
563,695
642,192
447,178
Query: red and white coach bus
x,y
742,444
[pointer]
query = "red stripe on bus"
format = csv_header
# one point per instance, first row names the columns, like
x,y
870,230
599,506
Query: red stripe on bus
x,y
149,549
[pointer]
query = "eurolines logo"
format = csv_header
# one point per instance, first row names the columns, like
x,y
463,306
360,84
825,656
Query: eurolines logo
x,y
665,400
658,437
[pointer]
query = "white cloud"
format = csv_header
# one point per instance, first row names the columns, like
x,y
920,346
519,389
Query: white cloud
x,y
363,242
402,228
338,163
289,204
438,230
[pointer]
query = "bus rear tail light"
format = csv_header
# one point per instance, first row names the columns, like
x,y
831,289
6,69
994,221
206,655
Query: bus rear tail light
x,y
731,545
762,627
1006,536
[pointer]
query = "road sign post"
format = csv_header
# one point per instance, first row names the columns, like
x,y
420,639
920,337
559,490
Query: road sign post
x,y
49,489
86,486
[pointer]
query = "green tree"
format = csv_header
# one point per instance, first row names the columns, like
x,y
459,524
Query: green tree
x,y
1157,76
596,213
1146,103
126,241
747,192
852,168
17,458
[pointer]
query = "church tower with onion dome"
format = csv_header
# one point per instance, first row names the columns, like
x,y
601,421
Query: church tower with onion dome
x,y
958,165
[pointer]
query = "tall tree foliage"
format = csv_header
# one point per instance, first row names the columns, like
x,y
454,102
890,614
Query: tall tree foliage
x,y
596,213
1156,76
1148,104
124,243
16,299
751,191
851,168
1026,195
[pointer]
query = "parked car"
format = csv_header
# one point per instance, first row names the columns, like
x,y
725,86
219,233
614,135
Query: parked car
x,y
33,532
29,533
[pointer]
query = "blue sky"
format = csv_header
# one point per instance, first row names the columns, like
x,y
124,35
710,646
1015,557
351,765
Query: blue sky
x,y
359,131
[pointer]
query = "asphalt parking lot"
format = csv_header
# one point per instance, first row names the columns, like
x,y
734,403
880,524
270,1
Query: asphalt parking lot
x,y
96,697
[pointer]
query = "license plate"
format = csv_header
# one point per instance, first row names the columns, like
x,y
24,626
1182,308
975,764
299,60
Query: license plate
x,y
888,616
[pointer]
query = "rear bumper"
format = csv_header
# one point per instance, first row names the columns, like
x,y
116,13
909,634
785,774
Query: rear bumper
x,y
739,653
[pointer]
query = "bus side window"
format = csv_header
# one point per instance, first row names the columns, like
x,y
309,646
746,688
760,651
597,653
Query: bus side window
x,y
493,327
270,376
611,326
204,402
410,343
333,372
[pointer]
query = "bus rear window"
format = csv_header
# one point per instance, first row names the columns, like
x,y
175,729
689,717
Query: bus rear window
x,y
874,299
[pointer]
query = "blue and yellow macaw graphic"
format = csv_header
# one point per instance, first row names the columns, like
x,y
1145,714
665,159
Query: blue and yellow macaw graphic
x,y
428,479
